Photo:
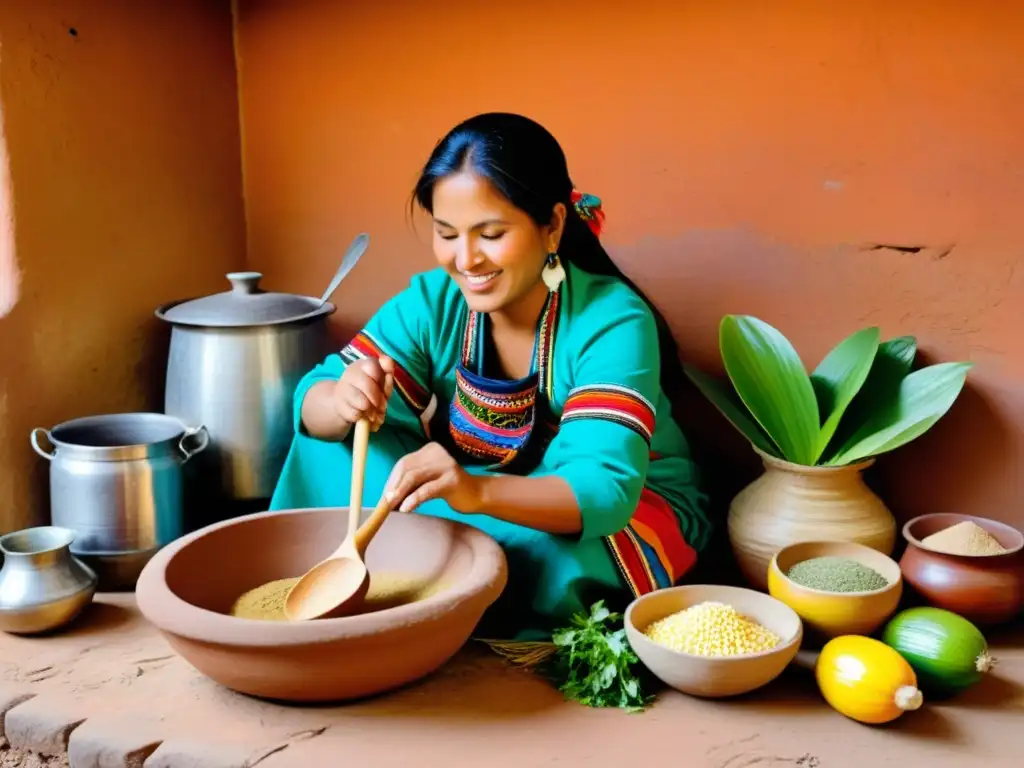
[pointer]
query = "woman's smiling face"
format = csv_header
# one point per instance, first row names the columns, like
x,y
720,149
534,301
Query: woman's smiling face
x,y
493,250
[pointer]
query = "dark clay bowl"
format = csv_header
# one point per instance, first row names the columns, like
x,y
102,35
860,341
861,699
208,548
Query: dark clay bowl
x,y
985,589
188,588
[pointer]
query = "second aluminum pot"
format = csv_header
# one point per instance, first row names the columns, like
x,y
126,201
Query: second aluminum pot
x,y
234,362
117,481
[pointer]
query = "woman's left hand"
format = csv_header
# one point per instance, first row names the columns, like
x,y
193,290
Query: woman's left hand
x,y
432,473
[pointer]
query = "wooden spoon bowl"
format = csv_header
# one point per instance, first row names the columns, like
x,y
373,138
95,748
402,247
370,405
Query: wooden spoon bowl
x,y
337,586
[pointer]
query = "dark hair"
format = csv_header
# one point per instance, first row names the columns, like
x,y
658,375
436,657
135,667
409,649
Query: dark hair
x,y
526,164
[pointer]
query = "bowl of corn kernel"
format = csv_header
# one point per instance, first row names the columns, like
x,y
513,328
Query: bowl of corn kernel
x,y
713,641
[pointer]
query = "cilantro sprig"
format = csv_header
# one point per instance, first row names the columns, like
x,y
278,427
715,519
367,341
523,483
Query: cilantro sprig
x,y
594,664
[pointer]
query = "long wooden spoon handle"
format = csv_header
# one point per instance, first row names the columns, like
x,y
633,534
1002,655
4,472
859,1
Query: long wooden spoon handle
x,y
360,446
373,523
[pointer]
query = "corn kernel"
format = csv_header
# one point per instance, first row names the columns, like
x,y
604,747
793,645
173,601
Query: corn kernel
x,y
711,629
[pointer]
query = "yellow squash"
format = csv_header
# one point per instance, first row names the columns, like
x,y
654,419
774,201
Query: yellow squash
x,y
866,680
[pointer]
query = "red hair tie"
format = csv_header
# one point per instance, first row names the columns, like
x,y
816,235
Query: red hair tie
x,y
589,209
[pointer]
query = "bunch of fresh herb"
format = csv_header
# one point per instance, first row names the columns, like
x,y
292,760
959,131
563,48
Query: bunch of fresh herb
x,y
594,664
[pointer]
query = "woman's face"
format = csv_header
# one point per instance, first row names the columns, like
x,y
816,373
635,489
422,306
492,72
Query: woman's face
x,y
493,250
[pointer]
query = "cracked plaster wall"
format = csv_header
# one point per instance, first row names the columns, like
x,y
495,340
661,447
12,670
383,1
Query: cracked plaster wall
x,y
823,166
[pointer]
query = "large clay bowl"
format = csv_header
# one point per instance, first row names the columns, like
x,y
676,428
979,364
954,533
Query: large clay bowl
x,y
985,589
188,588
830,614
712,677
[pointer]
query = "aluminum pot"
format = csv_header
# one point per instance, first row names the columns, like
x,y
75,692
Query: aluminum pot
x,y
117,482
234,362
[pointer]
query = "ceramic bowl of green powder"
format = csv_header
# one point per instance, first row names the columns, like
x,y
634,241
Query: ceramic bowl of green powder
x,y
836,587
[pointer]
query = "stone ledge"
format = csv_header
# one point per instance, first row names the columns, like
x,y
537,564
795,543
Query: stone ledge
x,y
49,727
10,698
185,753
43,724
107,741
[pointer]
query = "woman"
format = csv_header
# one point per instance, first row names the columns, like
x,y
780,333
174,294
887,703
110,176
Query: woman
x,y
518,388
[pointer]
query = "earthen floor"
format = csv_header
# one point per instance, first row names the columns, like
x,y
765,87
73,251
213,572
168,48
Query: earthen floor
x,y
110,692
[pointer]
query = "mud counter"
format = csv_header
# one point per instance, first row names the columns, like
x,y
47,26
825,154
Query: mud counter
x,y
110,684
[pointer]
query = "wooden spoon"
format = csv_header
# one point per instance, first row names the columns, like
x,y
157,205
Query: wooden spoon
x,y
337,585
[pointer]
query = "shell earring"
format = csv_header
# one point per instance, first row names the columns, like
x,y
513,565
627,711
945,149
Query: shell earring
x,y
553,273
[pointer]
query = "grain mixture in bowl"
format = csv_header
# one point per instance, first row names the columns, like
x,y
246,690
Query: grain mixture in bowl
x,y
711,629
964,538
836,574
387,590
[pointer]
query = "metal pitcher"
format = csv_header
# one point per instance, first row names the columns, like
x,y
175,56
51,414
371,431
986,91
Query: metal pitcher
x,y
116,480
42,585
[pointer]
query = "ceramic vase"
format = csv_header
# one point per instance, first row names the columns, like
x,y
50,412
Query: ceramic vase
x,y
791,503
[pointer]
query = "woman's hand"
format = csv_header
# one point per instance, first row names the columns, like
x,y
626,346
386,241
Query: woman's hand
x,y
363,390
431,473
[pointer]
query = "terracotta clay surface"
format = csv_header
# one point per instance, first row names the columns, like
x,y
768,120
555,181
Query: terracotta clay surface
x,y
987,589
475,710
188,589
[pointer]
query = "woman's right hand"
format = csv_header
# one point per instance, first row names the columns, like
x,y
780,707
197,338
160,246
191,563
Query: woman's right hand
x,y
363,390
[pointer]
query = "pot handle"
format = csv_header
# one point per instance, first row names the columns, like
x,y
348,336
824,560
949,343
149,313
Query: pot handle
x,y
33,437
202,438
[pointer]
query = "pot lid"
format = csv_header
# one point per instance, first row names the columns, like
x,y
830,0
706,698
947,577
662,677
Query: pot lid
x,y
246,304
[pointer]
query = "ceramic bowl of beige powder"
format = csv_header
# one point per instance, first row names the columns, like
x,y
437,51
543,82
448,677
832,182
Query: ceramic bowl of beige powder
x,y
970,565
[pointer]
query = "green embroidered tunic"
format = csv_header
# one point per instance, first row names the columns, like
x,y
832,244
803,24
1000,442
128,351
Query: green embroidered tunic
x,y
592,411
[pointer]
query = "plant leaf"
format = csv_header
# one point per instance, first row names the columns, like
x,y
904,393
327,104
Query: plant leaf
x,y
728,403
892,364
773,384
923,398
598,612
839,377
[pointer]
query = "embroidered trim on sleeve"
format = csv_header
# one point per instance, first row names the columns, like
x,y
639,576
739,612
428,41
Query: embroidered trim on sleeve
x,y
365,346
611,402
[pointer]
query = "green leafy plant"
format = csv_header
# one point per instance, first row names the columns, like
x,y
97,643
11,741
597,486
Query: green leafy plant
x,y
594,664
862,399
